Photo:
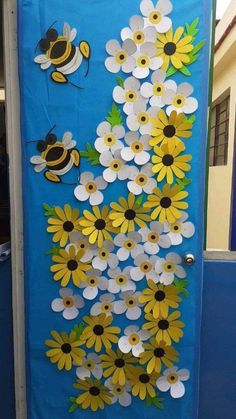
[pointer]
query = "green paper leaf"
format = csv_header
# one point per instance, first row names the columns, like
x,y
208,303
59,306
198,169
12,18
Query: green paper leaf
x,y
79,328
192,29
198,47
91,154
53,251
193,59
182,183
120,82
172,70
73,407
156,401
49,211
191,119
72,399
181,286
139,200
184,70
114,116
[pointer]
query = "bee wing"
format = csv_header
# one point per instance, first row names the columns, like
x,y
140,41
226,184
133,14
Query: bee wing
x,y
67,140
40,163
66,30
73,34
41,59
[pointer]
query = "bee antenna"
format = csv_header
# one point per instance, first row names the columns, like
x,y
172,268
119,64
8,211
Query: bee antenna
x,y
49,132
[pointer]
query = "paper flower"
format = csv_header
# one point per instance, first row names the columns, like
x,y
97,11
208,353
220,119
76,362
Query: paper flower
x,y
156,355
105,257
104,305
153,238
117,365
141,180
137,148
138,33
128,245
169,161
63,223
94,282
141,118
172,128
120,281
133,340
129,304
116,167
89,188
167,203
179,229
68,304
99,332
121,56
146,60
109,138
119,393
157,15
172,380
90,367
128,95
155,90
145,267
179,99
169,267
143,384
81,243
165,329
95,395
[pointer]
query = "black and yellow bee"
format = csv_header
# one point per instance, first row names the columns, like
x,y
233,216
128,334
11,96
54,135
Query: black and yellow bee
x,y
59,51
58,157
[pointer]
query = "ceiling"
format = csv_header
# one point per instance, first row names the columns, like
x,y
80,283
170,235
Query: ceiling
x,y
1,49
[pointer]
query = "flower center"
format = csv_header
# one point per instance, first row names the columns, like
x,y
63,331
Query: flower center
x,y
168,160
153,237
137,147
165,202
119,363
118,390
141,179
130,214
172,378
170,48
68,302
169,267
160,295
72,265
106,307
94,391
92,281
130,96
100,224
82,245
116,165
175,228
158,89
169,131
134,339
121,57
129,245
179,101
109,139
159,352
91,187
146,266
66,348
144,378
143,118
163,324
98,330
131,302
89,365
138,37
154,17
143,61
68,226
103,254
121,279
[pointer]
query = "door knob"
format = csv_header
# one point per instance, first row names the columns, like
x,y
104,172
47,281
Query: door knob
x,y
189,259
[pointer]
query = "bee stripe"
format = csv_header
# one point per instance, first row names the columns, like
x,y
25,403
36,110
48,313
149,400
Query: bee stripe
x,y
65,157
69,58
58,61
61,165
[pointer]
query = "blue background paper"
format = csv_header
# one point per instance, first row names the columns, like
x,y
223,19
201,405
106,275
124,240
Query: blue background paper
x,y
45,104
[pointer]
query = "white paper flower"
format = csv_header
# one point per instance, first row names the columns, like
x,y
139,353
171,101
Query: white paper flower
x,y
90,367
133,340
119,393
137,148
129,94
157,15
141,118
179,99
109,138
145,267
104,305
81,243
156,89
68,304
129,304
121,56
89,188
128,245
169,267
105,257
138,33
142,180
120,281
172,380
153,238
94,282
178,230
146,60
116,167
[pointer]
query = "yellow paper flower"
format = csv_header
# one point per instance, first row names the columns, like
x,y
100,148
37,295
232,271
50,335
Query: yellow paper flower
x,y
94,396
174,48
118,365
97,225
143,383
69,265
63,224
167,203
166,329
99,333
65,349
158,298
169,128
168,162
157,354
127,214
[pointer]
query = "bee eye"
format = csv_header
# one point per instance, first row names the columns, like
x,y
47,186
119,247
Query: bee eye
x,y
52,35
44,44
41,146
51,139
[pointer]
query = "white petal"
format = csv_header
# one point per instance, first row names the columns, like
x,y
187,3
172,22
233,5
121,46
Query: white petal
x,y
86,177
120,307
169,96
150,34
70,313
188,229
191,105
177,390
118,131
113,261
137,350
175,238
112,65
129,65
112,46
164,241
132,122
103,129
123,254
180,272
133,313
151,248
166,278
151,184
109,175
184,374
131,329
90,293
119,95
80,193
78,301
156,62
94,357
147,89
185,89
106,158
126,33
173,257
99,264
136,23
129,46
142,158
119,239
95,309
127,153
136,274
146,7
131,83
124,344
162,384
113,287
141,73
66,292
125,400
97,372
100,182
164,25
134,188
82,373
96,198
57,305
123,174
164,7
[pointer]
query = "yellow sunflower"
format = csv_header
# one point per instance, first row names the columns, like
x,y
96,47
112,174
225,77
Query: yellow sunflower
x,y
65,349
118,365
99,333
158,298
143,383
97,225
169,128
167,203
127,214
94,396
157,354
64,223
68,265
166,329
168,162
174,48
